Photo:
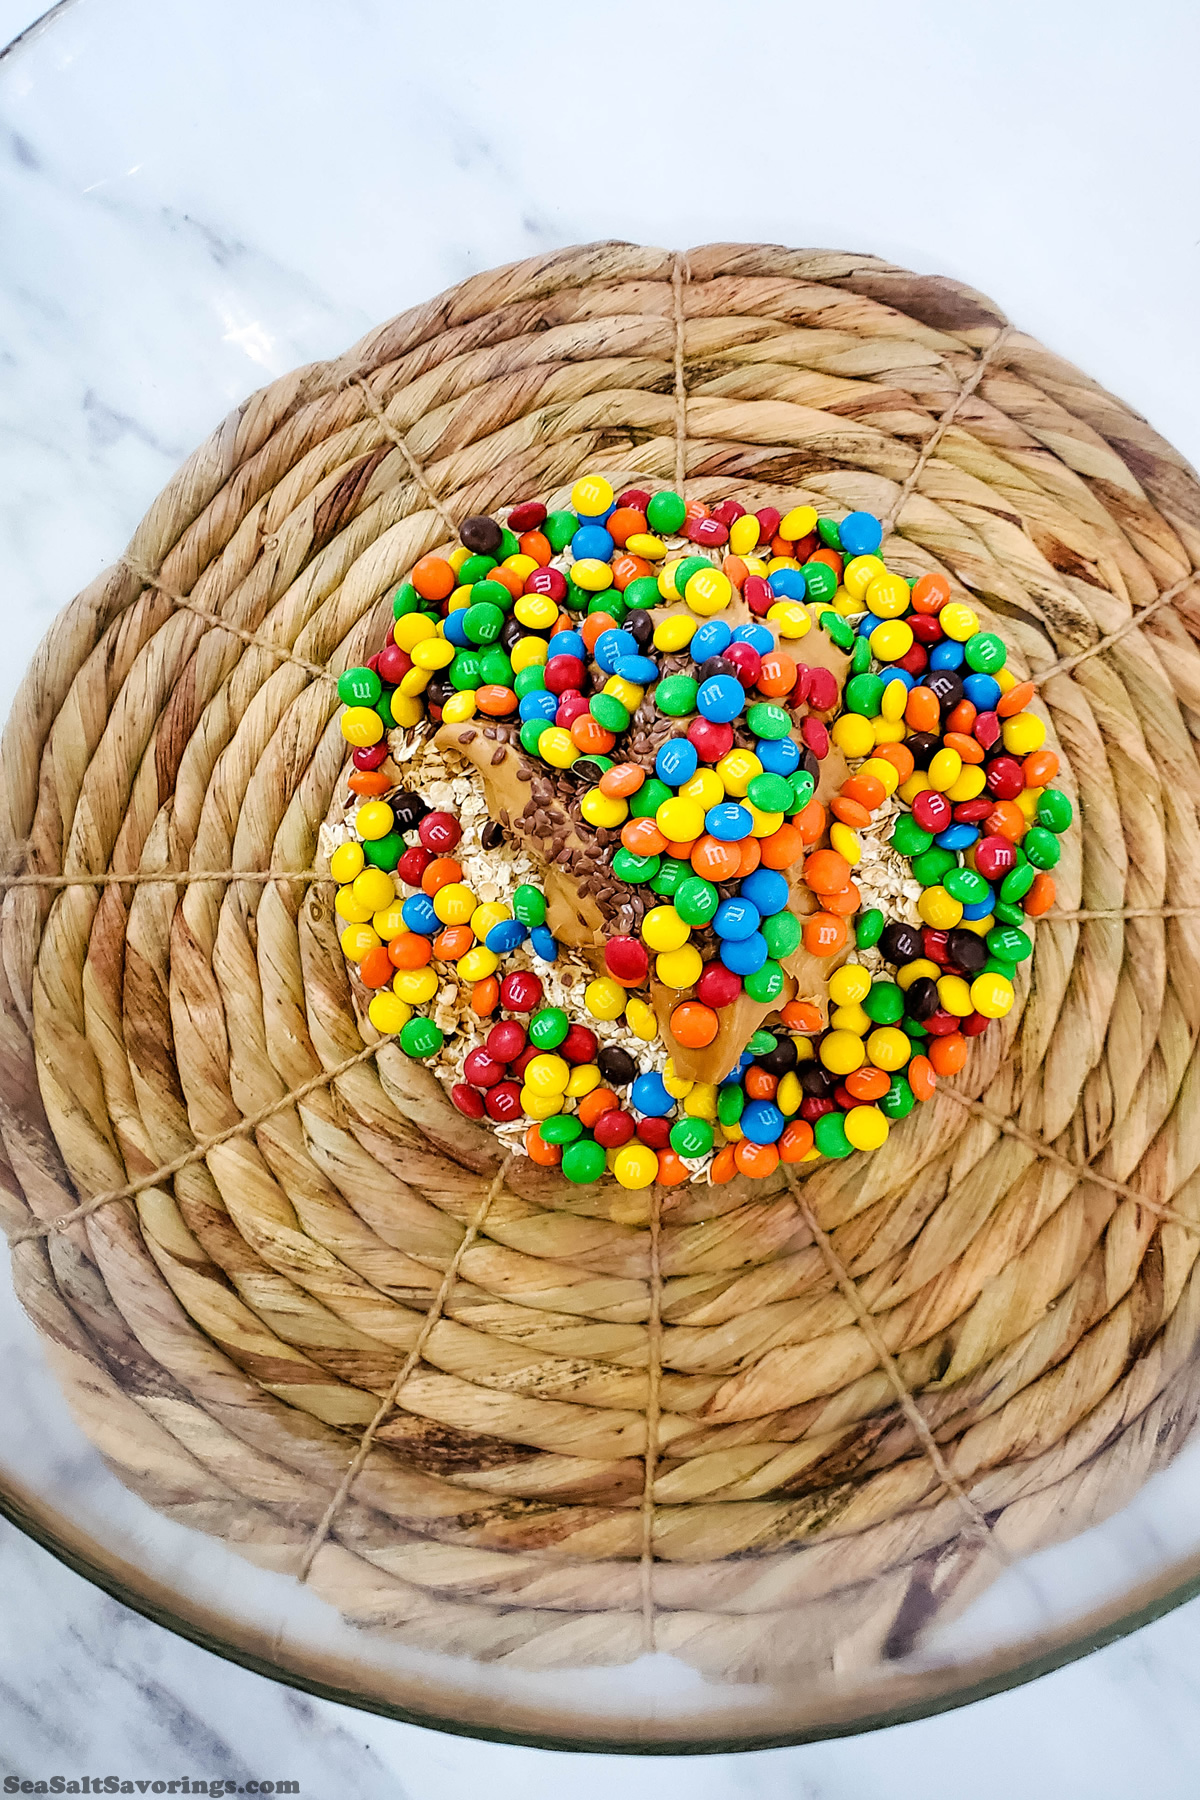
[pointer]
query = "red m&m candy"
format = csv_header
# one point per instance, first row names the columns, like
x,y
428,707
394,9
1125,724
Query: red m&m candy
x,y
626,959
439,832
656,1132
506,1040
413,864
709,740
467,1100
613,1128
521,991
563,672
718,986
503,1102
932,811
482,1070
579,1045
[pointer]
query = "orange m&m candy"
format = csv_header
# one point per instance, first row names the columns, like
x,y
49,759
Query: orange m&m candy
x,y
588,735
850,812
921,1078
410,950
497,702
756,1160
1039,767
593,625
625,523
786,845
433,578
537,545
868,790
777,675
810,822
621,780
600,1100
508,578
795,1141
642,837
948,1054
485,996
1016,699
845,903
930,593
824,934
694,1025
440,873
375,970
826,872
723,1166
671,1169
1040,897
749,855
867,1083
715,860
452,943
801,1015
760,1084
369,783
629,568
539,1151
900,757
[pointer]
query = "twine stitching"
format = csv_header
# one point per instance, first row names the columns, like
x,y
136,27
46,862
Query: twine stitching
x,y
415,469
143,878
653,1416
150,579
199,1150
887,1362
358,1461
930,447
680,272
1134,623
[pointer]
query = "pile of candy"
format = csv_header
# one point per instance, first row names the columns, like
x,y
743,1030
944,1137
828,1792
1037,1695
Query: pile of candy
x,y
547,621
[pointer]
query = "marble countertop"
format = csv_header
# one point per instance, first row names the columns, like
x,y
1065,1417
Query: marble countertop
x,y
169,245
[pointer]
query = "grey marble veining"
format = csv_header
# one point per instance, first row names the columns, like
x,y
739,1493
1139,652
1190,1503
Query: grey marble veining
x,y
196,198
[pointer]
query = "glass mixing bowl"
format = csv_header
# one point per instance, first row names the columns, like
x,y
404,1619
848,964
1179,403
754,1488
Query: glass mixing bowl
x,y
200,198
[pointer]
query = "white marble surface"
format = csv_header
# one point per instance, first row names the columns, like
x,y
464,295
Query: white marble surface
x,y
195,198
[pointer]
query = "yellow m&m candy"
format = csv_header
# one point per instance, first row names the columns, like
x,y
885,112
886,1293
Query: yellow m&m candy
x,y
361,726
415,986
663,929
374,819
387,1012
635,1166
849,984
866,1127
374,889
591,495
604,998
679,968
346,862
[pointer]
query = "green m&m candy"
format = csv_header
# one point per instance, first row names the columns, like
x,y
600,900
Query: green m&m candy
x,y
830,536
673,873
421,1038
608,711
909,840
691,1137
966,885
1007,913
609,602
510,543
782,933
476,568
627,866
860,656
1008,943
868,928
483,623
863,694
384,852
494,667
529,680
559,528
676,696
359,687
761,1043
530,734
529,905
820,581
1017,882
383,706
691,565
548,1027
767,721
642,594
730,1101
464,670
804,786
884,1004
829,1135
583,1160
407,600
1041,847
765,984
696,900
1054,811
491,593
561,1128
665,513
985,652
770,793
931,865
837,629
897,1103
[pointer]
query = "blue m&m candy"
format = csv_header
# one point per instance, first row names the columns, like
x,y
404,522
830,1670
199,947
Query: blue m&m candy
x,y
767,889
649,1095
676,762
538,705
759,637
957,837
946,655
543,942
736,918
712,639
728,821
720,698
592,541
982,692
778,756
641,669
506,936
761,1121
611,646
743,956
861,534
454,629
787,584
418,914
566,643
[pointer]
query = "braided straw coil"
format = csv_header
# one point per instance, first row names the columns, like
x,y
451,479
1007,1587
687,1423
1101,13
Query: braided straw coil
x,y
305,1306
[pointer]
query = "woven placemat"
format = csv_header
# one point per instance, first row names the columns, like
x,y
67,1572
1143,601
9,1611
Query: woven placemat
x,y
301,1304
